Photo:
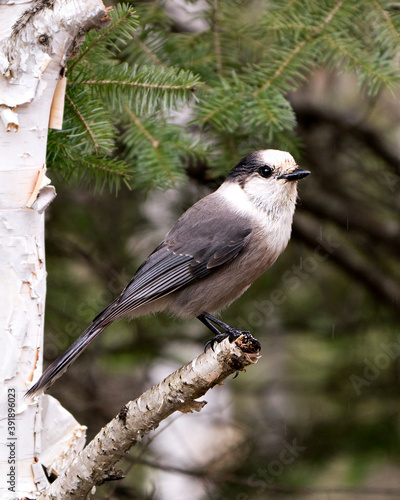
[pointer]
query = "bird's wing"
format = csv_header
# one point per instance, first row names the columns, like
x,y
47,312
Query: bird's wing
x,y
189,252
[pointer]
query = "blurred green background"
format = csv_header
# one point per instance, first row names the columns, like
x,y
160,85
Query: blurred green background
x,y
318,416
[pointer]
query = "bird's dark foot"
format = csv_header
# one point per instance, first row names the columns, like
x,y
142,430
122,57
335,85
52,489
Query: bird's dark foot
x,y
215,340
228,331
220,337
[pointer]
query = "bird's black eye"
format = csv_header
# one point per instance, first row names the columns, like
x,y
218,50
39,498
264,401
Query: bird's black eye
x,y
265,171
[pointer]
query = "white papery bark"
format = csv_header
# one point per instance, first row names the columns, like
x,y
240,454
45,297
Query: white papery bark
x,y
36,39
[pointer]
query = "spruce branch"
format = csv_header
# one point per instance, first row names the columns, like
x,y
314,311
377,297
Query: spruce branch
x,y
135,84
280,72
156,159
283,66
105,170
314,33
148,51
373,73
71,162
216,38
289,5
83,121
388,21
142,128
121,15
225,106
178,392
147,89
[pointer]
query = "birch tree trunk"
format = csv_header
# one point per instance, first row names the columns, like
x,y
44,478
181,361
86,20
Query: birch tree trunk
x,y
36,39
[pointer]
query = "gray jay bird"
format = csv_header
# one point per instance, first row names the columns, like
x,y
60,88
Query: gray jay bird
x,y
213,253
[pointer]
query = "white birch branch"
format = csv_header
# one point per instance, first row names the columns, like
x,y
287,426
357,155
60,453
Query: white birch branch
x,y
178,392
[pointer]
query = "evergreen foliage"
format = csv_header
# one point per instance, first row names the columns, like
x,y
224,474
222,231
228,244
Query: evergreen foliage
x,y
103,93
248,56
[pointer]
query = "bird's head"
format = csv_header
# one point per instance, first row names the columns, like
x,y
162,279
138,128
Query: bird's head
x,y
268,177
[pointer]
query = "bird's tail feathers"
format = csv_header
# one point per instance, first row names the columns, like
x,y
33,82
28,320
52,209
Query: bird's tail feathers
x,y
62,363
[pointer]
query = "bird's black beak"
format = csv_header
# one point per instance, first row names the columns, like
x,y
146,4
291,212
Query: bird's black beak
x,y
296,175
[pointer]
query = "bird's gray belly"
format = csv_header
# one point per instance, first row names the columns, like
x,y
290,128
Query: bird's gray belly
x,y
223,286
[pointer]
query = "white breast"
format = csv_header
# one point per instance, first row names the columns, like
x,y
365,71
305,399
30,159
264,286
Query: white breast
x,y
270,205
236,199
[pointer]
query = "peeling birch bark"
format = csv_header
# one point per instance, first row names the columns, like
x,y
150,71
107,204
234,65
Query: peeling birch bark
x,y
36,40
178,392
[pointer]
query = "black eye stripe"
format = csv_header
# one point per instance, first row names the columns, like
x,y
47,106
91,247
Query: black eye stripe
x,y
265,171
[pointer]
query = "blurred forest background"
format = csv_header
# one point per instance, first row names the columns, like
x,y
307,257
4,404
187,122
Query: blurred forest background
x,y
159,107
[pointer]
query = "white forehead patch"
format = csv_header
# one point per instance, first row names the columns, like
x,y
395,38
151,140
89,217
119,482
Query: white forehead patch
x,y
277,158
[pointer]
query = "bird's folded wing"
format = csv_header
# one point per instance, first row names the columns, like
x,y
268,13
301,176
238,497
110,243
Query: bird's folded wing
x,y
186,254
